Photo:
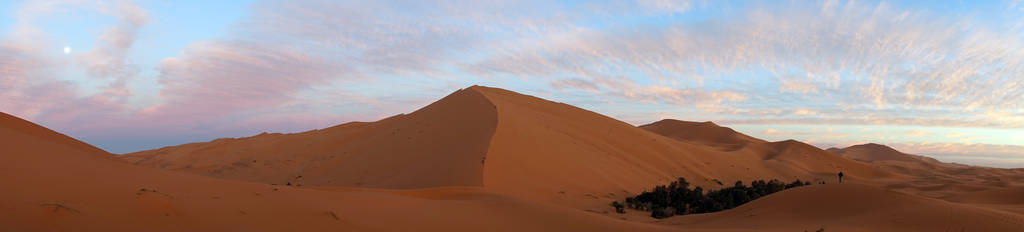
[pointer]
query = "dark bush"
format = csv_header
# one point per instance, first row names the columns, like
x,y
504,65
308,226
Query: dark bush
x,y
663,212
619,208
678,199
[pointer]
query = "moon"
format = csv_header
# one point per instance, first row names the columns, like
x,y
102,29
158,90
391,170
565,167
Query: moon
x,y
67,49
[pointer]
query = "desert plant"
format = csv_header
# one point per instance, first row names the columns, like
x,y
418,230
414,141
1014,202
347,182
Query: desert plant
x,y
677,198
619,208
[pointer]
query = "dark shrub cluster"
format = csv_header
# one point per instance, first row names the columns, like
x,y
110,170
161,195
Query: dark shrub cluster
x,y
678,199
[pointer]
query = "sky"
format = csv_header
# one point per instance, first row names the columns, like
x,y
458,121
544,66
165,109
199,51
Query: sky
x,y
943,79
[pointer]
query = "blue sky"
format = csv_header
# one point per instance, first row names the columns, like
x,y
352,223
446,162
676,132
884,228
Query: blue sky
x,y
937,78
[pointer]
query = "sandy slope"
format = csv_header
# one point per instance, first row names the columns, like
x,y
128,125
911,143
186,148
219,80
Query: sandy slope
x,y
442,144
55,183
852,207
788,157
707,133
932,178
872,152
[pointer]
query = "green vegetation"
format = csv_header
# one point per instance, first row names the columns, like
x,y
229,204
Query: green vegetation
x,y
678,199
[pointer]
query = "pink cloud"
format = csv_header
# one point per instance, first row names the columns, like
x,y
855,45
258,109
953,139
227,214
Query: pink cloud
x,y
220,77
108,60
969,153
29,88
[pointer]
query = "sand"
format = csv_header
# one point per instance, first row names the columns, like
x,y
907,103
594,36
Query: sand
x,y
56,183
706,133
852,207
480,159
442,144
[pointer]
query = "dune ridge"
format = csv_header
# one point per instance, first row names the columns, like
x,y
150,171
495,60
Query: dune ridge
x,y
442,144
707,133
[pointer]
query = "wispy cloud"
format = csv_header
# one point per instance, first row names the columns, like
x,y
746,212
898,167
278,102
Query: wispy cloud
x,y
214,79
108,60
971,153
868,57
918,133
789,63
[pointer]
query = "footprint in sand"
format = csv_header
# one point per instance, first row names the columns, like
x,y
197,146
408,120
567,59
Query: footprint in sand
x,y
58,208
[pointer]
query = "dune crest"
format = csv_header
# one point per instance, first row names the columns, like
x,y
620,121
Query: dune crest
x,y
707,133
442,144
871,152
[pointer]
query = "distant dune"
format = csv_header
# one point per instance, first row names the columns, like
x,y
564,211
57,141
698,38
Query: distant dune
x,y
871,152
482,159
932,178
706,133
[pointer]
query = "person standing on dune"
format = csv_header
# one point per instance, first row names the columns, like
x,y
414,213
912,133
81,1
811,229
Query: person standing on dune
x,y
840,176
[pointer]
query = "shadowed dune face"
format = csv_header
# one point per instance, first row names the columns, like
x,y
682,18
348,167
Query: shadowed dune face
x,y
442,144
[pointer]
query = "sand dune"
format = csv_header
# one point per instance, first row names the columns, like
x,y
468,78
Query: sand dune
x,y
442,144
480,159
559,153
872,152
55,183
535,149
931,178
788,157
706,133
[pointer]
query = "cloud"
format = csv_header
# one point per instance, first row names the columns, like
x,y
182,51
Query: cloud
x,y
108,60
575,84
669,6
28,87
854,55
286,61
918,133
789,86
31,90
805,112
219,78
993,155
